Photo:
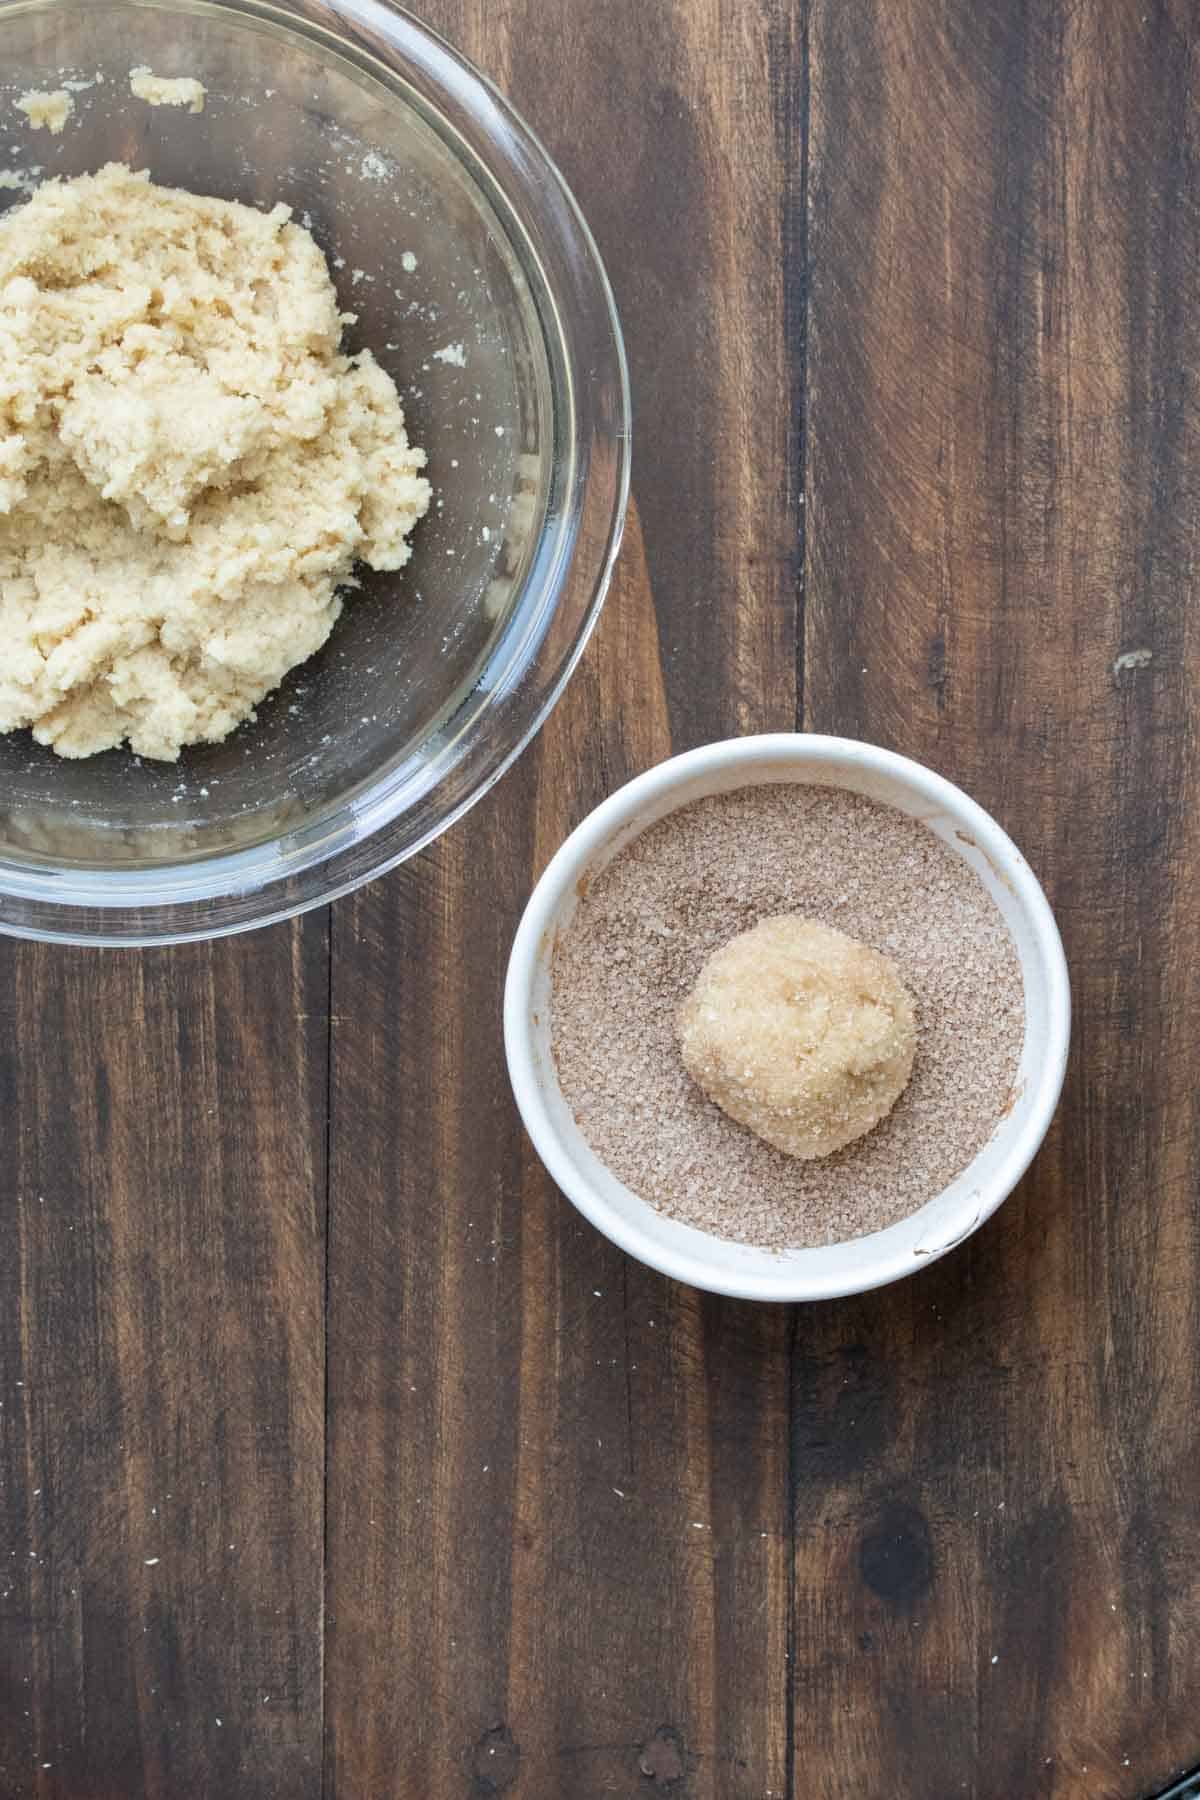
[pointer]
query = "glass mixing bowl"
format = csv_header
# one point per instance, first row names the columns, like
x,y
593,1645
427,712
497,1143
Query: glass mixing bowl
x,y
451,231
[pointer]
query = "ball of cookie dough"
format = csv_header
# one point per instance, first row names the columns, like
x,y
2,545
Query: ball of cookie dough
x,y
800,1033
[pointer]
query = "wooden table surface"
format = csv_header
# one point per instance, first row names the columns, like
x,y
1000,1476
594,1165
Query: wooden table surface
x,y
337,1454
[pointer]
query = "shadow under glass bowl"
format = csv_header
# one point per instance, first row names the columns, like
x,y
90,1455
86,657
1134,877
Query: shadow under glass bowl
x,y
449,230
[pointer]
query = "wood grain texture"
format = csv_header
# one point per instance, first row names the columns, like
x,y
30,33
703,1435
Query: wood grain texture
x,y
161,1349
558,1522
491,1509
998,1536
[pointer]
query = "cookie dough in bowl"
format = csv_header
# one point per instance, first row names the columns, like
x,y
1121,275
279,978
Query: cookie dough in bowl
x,y
190,467
443,224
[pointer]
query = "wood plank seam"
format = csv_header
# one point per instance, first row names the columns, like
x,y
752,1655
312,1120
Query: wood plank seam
x,y
331,951
796,308
797,299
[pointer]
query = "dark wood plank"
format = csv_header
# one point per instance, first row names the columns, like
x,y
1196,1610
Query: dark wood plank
x,y
161,1349
558,1528
591,1471
558,1543
558,1532
998,1528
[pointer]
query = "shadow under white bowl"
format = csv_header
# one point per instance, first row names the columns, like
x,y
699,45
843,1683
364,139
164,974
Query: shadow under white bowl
x,y
718,1264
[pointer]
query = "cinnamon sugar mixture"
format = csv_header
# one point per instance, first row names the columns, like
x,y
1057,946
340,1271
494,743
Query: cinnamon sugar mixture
x,y
645,928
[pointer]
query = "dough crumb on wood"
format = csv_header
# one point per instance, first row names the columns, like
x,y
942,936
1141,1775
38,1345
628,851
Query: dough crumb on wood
x,y
163,90
47,112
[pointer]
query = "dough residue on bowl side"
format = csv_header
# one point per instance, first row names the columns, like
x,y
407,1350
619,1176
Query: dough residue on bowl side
x,y
165,90
47,112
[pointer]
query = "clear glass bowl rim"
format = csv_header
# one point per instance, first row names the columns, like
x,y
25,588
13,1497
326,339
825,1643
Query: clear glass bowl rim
x,y
555,613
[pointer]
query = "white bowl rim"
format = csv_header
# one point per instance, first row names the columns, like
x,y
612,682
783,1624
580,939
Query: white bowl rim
x,y
784,1277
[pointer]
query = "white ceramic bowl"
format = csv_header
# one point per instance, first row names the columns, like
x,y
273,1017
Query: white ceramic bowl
x,y
947,1218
